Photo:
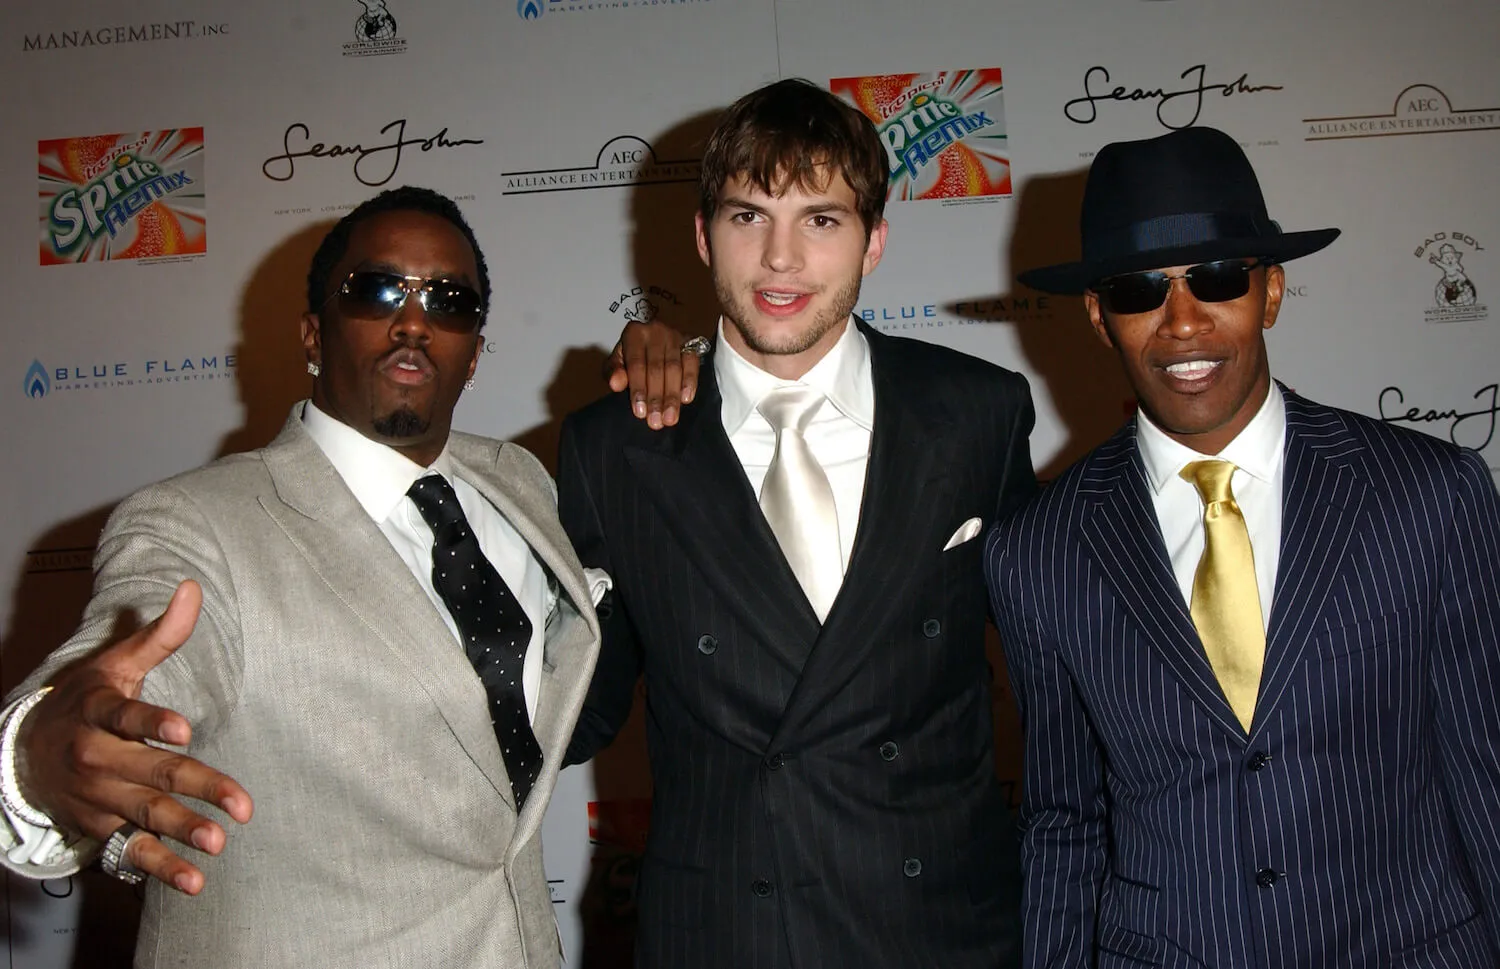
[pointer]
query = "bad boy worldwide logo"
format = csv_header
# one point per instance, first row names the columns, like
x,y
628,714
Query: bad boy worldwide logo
x,y
122,196
944,132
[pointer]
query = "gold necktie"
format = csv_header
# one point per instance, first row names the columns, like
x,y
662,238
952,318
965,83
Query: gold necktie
x,y
1226,602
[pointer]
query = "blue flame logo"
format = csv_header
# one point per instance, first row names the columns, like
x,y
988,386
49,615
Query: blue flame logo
x,y
37,383
529,9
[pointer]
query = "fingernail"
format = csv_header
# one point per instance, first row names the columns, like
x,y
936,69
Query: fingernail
x,y
199,838
183,884
640,408
671,414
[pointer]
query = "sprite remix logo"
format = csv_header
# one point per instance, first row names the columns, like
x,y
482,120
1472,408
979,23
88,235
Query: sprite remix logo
x,y
944,132
122,196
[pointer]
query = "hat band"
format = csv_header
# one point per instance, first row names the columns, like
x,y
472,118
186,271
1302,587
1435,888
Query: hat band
x,y
1176,231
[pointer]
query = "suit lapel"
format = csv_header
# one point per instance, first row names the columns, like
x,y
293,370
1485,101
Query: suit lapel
x,y
572,629
1322,501
696,481
911,443
1119,527
361,569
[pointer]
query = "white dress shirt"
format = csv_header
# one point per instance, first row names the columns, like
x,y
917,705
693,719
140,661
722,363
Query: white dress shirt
x,y
838,434
379,477
1257,454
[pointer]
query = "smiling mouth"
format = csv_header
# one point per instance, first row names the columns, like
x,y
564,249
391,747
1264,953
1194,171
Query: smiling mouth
x,y
1193,371
780,299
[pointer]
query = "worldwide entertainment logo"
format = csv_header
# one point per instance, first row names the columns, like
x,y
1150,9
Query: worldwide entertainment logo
x,y
375,32
1455,298
122,196
642,304
1420,109
944,132
623,161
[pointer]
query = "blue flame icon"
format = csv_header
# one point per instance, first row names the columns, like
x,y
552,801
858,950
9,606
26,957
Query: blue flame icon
x,y
37,383
529,9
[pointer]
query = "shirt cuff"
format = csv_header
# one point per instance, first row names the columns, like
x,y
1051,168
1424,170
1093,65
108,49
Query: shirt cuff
x,y
32,847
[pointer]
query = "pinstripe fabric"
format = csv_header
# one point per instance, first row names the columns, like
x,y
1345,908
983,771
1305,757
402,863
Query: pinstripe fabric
x,y
848,768
1359,822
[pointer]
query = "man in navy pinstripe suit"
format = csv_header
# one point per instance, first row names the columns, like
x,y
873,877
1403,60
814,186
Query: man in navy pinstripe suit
x,y
1343,808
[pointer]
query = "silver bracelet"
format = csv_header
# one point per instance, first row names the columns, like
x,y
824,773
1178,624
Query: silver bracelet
x,y
10,788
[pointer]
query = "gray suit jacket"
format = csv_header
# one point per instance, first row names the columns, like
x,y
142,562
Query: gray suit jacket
x,y
321,677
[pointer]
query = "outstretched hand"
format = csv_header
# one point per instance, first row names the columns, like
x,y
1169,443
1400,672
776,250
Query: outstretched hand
x,y
661,377
84,760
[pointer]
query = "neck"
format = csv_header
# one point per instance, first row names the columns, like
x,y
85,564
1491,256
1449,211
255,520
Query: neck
x,y
786,366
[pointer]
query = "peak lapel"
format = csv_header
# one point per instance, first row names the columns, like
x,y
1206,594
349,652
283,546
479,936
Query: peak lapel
x,y
1123,535
695,479
903,500
1322,502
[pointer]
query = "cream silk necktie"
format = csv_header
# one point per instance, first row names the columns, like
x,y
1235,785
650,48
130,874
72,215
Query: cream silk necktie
x,y
1226,602
797,499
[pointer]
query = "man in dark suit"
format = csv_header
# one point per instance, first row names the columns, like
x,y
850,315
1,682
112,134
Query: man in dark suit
x,y
1255,640
798,575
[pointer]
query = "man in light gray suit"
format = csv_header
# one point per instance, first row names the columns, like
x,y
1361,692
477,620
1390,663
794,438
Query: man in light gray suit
x,y
402,753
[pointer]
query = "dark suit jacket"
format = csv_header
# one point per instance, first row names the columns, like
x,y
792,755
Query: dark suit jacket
x,y
825,796
1358,824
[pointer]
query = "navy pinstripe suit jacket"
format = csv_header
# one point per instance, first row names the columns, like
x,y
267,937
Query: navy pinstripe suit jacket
x,y
1358,824
825,797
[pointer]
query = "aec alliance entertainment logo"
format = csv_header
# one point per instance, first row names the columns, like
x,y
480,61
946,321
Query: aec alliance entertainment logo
x,y
944,132
42,380
534,9
122,196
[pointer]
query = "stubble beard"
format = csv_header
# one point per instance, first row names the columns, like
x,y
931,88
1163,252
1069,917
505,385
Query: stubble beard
x,y
401,423
738,308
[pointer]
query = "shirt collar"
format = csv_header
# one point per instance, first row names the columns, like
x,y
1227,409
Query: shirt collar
x,y
378,475
843,374
1256,450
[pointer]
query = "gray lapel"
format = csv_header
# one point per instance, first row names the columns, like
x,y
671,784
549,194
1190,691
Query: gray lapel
x,y
362,571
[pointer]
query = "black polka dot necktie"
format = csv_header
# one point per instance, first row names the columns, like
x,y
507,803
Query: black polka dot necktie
x,y
492,624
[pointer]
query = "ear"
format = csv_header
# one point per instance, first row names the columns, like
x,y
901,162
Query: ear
x,y
1096,318
700,231
478,349
875,248
312,337
1275,291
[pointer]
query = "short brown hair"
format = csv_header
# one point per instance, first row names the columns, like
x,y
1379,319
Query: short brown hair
x,y
793,133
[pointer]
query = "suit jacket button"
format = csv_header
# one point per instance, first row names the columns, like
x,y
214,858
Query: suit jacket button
x,y
1258,760
775,762
932,629
889,751
1265,878
707,645
912,867
761,888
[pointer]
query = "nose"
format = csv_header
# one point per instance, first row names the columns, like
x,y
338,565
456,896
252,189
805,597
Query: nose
x,y
1182,316
783,249
410,325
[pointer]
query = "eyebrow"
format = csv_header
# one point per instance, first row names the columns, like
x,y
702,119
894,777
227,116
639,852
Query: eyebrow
x,y
381,266
817,208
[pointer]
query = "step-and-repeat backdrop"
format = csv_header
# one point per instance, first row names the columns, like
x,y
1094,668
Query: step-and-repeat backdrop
x,y
169,166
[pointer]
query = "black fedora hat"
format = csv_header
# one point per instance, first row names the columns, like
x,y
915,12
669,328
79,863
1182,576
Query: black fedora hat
x,y
1185,197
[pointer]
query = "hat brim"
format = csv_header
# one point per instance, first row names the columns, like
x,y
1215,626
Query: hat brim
x,y
1072,278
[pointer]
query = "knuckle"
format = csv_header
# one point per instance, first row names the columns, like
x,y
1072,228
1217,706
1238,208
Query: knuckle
x,y
166,773
154,812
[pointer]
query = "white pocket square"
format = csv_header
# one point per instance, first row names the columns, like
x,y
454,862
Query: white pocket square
x,y
599,583
965,532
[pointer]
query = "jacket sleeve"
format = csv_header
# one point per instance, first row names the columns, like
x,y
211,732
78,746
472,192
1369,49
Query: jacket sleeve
x,y
1063,834
1466,676
612,689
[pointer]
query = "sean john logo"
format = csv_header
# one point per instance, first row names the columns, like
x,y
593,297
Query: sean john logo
x,y
373,174
1175,109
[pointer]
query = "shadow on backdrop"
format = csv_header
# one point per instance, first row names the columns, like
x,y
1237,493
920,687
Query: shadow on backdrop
x,y
1081,375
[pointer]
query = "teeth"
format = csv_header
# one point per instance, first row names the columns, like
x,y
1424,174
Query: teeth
x,y
408,366
780,299
1192,368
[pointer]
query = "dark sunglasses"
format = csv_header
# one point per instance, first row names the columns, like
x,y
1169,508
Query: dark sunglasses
x,y
1210,282
372,295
